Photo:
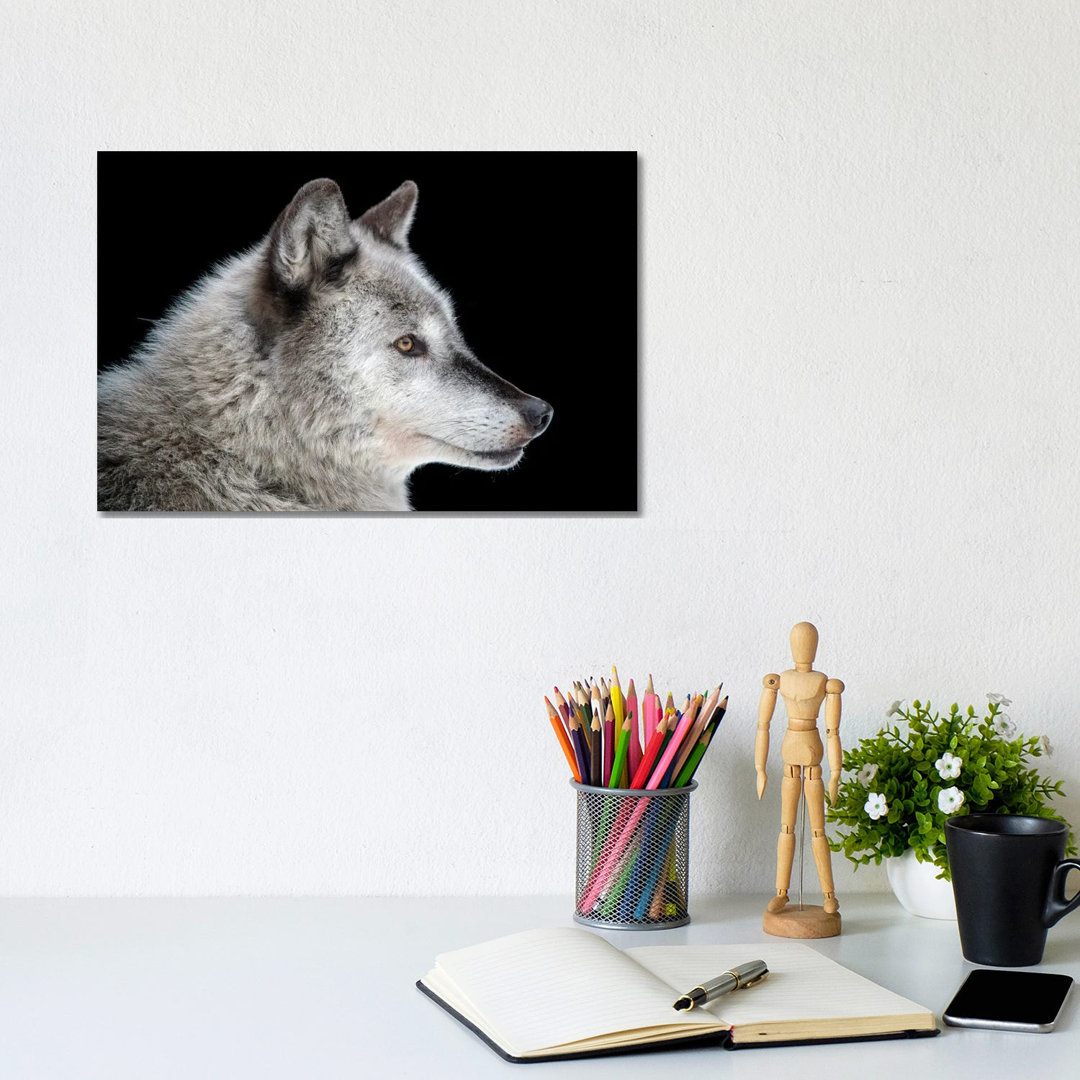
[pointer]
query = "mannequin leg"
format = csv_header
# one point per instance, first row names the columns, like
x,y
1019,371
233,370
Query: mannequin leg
x,y
815,804
790,790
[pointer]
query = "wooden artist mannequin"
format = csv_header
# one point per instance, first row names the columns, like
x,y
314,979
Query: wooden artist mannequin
x,y
803,691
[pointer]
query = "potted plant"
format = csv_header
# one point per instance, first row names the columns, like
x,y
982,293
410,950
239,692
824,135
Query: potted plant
x,y
898,788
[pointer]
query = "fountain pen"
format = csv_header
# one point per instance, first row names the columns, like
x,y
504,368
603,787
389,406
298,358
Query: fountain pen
x,y
738,978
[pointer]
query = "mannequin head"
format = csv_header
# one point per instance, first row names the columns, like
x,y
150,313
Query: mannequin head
x,y
804,640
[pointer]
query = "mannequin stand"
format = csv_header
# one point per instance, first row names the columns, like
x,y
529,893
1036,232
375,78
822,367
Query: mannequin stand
x,y
802,921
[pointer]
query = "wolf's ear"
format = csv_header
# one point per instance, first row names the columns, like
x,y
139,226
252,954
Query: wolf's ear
x,y
391,219
310,236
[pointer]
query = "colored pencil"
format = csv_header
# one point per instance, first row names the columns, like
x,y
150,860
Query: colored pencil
x,y
687,771
596,757
634,758
694,760
594,704
704,714
564,709
651,713
609,743
622,749
672,748
605,704
617,702
564,740
672,728
581,748
586,724
583,704
648,759
669,715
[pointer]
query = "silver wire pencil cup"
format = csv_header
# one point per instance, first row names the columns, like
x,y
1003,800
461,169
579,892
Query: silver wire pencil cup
x,y
633,857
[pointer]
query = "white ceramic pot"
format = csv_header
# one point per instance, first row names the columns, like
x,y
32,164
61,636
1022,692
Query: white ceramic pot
x,y
918,888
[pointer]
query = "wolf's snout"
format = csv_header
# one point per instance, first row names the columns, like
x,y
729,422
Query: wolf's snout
x,y
537,414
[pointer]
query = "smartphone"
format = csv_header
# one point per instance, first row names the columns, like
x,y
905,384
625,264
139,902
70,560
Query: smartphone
x,y
1013,1000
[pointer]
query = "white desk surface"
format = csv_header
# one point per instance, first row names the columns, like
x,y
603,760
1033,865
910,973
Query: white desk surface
x,y
308,989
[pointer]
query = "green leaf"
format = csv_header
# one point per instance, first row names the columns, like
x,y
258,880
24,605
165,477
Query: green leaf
x,y
994,778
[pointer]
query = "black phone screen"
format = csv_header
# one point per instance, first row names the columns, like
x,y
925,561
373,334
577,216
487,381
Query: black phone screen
x,y
1017,999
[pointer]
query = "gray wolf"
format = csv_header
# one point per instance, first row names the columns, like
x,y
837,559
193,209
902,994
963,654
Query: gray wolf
x,y
315,371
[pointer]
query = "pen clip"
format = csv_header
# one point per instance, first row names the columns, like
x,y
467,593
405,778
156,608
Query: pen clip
x,y
754,981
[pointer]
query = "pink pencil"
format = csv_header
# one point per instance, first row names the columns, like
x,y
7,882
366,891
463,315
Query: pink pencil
x,y
635,730
670,751
603,874
651,709
703,716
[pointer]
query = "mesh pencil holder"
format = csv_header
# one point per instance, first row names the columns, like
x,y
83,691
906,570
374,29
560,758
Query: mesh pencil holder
x,y
633,857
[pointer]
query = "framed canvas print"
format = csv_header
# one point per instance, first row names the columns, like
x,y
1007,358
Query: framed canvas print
x,y
368,331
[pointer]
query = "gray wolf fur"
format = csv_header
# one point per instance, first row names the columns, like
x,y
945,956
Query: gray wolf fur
x,y
315,371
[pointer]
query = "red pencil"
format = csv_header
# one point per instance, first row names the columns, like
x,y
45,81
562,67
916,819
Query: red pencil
x,y
648,758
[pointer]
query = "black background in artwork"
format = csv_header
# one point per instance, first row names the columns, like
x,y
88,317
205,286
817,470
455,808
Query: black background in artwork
x,y
537,249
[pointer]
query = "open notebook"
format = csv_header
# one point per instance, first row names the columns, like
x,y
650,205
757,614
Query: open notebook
x,y
563,992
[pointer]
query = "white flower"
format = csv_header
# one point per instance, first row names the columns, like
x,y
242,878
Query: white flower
x,y
998,699
866,774
895,709
1003,725
1047,748
948,766
950,800
876,806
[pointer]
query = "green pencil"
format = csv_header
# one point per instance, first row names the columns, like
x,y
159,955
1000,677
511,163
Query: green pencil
x,y
622,748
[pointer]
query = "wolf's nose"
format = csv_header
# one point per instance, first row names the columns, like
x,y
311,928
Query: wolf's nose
x,y
537,414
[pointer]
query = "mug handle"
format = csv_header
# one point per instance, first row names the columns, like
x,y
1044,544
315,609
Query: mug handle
x,y
1056,904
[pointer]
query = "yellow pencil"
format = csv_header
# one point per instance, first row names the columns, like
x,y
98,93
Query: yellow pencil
x,y
617,703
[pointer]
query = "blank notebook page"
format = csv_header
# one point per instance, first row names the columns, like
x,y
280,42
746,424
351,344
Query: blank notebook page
x,y
577,986
802,984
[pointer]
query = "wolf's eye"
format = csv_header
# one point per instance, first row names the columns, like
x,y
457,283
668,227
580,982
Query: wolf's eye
x,y
405,344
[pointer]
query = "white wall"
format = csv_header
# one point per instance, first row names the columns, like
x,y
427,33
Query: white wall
x,y
859,388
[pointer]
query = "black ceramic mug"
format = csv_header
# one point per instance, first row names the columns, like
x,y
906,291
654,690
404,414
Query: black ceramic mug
x,y
1008,876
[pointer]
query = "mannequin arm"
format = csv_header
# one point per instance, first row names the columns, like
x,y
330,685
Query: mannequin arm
x,y
761,744
833,689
